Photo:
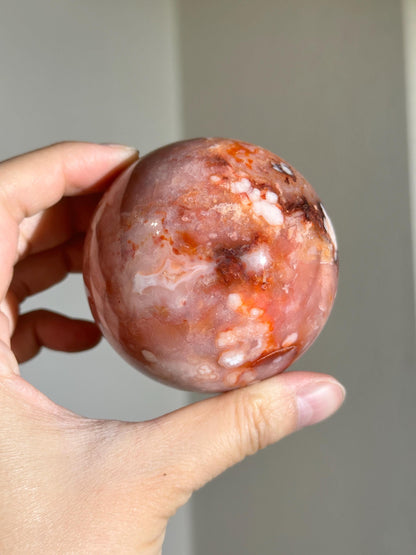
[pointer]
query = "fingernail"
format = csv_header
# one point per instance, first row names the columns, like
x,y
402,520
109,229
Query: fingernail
x,y
122,152
317,401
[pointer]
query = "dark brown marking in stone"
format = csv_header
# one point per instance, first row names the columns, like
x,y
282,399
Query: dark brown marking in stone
x,y
230,268
229,264
313,212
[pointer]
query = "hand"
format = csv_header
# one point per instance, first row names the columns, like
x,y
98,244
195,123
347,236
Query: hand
x,y
69,484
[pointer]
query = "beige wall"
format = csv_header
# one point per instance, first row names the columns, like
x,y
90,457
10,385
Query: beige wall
x,y
322,84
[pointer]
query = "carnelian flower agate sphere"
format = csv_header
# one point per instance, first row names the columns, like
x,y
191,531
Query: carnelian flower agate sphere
x,y
211,264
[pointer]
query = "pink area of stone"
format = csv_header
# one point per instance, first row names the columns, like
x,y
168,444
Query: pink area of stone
x,y
211,264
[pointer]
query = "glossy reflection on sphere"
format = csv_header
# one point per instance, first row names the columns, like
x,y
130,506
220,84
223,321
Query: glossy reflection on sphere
x,y
211,264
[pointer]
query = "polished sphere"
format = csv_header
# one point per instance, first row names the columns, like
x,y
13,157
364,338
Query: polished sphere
x,y
211,264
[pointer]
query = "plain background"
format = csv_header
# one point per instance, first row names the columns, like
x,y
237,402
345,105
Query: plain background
x,y
323,84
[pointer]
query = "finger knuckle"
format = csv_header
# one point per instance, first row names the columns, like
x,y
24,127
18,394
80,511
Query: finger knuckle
x,y
252,419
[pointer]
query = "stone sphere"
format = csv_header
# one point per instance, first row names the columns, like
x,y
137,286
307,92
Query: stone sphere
x,y
211,264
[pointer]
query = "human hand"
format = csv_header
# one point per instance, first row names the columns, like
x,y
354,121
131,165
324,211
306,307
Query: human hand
x,y
69,484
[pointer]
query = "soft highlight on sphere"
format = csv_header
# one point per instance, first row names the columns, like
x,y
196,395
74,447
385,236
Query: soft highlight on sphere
x,y
211,264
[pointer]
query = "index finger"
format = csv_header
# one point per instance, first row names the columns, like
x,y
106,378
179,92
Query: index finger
x,y
35,181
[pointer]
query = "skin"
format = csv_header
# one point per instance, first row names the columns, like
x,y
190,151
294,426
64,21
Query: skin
x,y
69,484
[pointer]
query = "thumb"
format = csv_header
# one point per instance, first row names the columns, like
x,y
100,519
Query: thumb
x,y
209,436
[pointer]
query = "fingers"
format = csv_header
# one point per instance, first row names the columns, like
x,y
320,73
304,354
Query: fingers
x,y
206,438
44,269
35,181
42,328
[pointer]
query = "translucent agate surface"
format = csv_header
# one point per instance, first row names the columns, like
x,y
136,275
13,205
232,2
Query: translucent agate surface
x,y
211,264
